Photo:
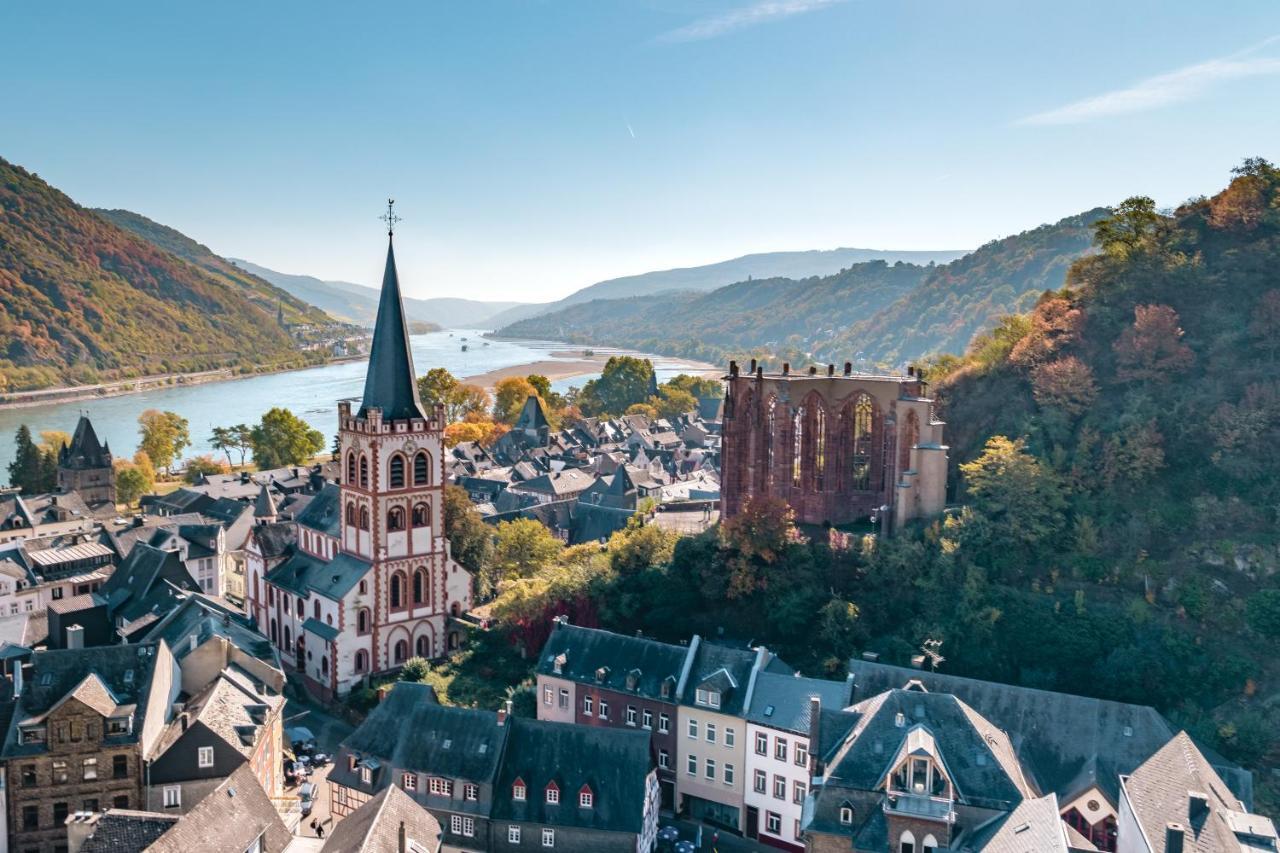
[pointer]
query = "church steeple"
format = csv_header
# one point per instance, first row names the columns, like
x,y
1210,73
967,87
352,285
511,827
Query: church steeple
x,y
390,384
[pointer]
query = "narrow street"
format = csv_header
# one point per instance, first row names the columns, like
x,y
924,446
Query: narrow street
x,y
329,732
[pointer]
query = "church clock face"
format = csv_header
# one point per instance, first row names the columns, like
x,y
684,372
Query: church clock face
x,y
410,446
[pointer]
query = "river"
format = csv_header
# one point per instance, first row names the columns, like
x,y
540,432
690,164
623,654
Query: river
x,y
312,394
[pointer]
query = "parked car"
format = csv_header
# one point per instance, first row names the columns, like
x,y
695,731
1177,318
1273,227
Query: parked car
x,y
307,793
301,740
320,759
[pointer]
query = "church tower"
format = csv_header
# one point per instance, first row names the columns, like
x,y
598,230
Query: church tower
x,y
392,498
85,466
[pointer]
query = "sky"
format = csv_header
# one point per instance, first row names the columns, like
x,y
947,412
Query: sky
x,y
535,147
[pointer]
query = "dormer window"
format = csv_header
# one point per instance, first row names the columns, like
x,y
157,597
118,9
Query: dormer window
x,y
558,664
709,698
846,814
601,674
667,687
33,734
518,791
553,794
633,679
586,799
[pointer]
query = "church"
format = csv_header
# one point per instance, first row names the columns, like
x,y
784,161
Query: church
x,y
370,581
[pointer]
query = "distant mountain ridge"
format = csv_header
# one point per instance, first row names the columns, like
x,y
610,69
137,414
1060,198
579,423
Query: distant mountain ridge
x,y
83,300
885,313
359,304
794,264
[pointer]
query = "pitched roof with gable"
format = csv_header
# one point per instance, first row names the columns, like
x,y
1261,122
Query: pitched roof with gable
x,y
139,576
232,706
389,383
264,506
303,573
783,701
202,617
322,514
723,668
586,650
1159,793
231,817
614,764
109,679
1067,743
464,743
1034,826
375,826
127,831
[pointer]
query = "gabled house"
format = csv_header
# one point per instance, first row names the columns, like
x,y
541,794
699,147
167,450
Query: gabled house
x,y
390,822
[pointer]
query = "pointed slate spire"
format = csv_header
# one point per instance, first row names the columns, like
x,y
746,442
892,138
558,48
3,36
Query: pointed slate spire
x,y
84,450
265,506
390,385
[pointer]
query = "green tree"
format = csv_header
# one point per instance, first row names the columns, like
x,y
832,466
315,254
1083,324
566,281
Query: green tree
x,y
200,466
470,539
283,438
1129,228
227,439
625,381
134,479
1263,612
25,471
673,402
509,396
415,669
521,547
640,546
164,436
699,387
436,386
1021,497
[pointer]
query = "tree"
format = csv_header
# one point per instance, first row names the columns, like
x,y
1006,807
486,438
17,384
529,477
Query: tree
x,y
415,669
25,471
282,438
467,401
200,466
1263,611
521,547
640,546
1132,455
436,387
755,540
700,387
1129,228
1151,350
1065,384
838,628
1019,495
509,396
226,439
470,539
164,436
457,433
53,440
673,402
626,380
1265,325
647,410
134,479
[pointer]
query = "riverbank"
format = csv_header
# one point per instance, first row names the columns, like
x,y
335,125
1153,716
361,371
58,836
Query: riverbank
x,y
584,363
105,390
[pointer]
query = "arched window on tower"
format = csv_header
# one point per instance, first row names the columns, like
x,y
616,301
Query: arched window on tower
x,y
402,651
364,518
396,476
397,591
362,620
395,519
797,446
364,471
860,460
906,842
818,444
351,515
771,426
422,469
421,515
351,467
420,586
362,661
423,647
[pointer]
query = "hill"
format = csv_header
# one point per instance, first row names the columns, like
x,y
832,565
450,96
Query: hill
x,y
359,304
83,300
803,264
888,313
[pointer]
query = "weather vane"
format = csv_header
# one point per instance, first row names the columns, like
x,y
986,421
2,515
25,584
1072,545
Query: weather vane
x,y
390,217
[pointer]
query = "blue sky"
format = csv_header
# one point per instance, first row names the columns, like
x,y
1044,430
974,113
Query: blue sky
x,y
537,146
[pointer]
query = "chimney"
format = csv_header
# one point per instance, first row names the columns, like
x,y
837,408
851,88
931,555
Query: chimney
x,y
402,843
760,372
813,370
75,637
80,827
1174,835
753,365
786,368
911,370
1198,806
503,713
733,368
815,735
848,368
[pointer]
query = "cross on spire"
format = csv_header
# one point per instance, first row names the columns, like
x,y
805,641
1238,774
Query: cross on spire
x,y
390,217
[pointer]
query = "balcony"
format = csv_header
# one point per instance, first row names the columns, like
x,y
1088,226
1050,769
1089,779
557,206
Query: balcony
x,y
920,806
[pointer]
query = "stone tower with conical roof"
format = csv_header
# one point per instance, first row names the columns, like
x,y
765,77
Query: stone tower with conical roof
x,y
392,501
85,466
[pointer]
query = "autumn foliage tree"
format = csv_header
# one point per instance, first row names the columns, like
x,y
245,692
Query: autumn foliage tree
x,y
1151,350
754,541
1065,384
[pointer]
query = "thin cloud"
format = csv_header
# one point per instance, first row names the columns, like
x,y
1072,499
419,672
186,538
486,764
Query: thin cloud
x,y
1162,90
747,16
630,130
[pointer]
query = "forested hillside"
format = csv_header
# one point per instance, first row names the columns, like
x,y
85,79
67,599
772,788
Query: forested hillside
x,y
881,313
83,300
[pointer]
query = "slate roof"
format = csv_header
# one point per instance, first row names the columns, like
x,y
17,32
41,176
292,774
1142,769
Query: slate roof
x,y
1033,827
322,514
85,451
228,818
123,672
783,701
1067,743
976,755
265,505
709,659
141,574
126,831
375,826
613,763
231,706
389,383
303,573
202,617
1159,792
588,649
276,539
558,483
328,633
446,741
531,415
